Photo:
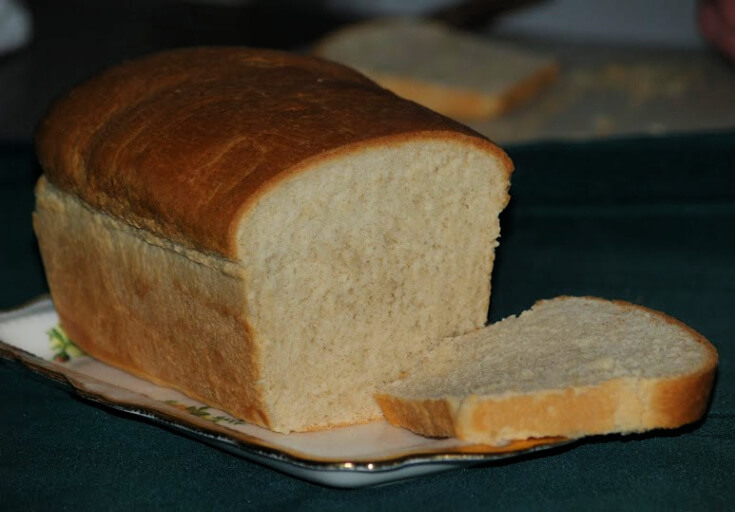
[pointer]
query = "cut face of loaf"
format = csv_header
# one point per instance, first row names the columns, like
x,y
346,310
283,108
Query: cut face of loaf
x,y
355,262
568,367
281,258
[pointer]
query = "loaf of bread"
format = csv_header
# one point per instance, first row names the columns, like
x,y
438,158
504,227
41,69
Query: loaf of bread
x,y
568,367
272,234
456,73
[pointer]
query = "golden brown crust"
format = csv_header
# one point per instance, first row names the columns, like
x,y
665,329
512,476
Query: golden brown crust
x,y
468,104
250,411
572,412
433,418
135,309
530,86
620,405
179,141
446,100
678,401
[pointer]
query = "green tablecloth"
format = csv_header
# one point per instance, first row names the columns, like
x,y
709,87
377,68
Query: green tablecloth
x,y
647,220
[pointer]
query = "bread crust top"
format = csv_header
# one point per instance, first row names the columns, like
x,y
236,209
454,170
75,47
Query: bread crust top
x,y
182,142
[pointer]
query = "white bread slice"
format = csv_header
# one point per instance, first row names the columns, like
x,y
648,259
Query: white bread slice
x,y
455,73
568,367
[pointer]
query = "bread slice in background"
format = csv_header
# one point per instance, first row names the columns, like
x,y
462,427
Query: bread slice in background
x,y
568,367
455,73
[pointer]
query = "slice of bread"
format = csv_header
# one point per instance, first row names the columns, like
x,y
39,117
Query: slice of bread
x,y
568,367
455,73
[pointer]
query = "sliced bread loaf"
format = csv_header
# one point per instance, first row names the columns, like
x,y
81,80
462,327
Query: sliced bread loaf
x,y
455,73
272,234
568,367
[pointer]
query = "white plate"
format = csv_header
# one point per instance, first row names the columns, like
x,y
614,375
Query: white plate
x,y
352,456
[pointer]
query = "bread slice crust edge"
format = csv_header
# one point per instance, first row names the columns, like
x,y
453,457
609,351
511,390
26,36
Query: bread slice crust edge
x,y
623,405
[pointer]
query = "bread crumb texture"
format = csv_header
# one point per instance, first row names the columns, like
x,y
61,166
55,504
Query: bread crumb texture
x,y
362,264
570,367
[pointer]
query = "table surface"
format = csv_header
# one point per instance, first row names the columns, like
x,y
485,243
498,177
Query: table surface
x,y
650,220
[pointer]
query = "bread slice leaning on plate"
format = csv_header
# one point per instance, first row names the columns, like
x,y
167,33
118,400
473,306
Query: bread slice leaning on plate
x,y
569,367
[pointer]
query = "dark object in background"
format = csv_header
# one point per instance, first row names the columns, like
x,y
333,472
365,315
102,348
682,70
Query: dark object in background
x,y
76,38
474,14
716,20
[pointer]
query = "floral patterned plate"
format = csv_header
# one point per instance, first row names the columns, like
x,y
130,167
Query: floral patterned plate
x,y
353,456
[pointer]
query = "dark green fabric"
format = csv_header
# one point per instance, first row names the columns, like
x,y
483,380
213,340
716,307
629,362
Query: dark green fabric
x,y
648,220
